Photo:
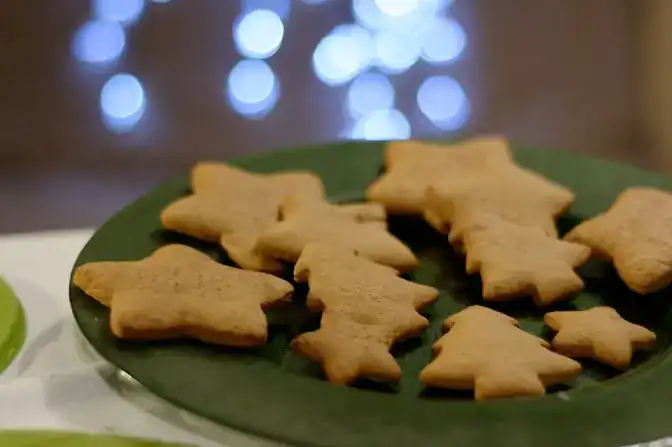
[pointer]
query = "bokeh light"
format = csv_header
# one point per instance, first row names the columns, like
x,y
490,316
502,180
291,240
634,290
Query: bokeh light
x,y
369,92
122,11
99,42
252,88
397,7
396,52
258,34
343,54
315,2
280,7
408,16
444,41
382,124
122,102
443,100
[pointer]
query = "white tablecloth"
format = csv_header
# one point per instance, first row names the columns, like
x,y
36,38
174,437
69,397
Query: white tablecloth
x,y
37,266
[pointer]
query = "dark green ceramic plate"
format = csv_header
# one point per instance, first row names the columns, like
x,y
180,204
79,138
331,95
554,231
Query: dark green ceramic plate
x,y
62,439
12,326
275,394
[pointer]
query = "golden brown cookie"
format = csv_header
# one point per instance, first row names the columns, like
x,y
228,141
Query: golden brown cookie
x,y
412,166
221,178
486,351
503,190
599,333
316,223
232,207
181,292
358,212
225,220
366,309
516,261
636,235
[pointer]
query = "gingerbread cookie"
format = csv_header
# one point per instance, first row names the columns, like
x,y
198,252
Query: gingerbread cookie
x,y
221,178
413,166
232,207
636,235
181,292
503,190
314,222
366,309
516,261
486,351
599,333
357,212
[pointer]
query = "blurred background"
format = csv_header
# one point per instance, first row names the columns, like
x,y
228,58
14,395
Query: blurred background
x,y
102,99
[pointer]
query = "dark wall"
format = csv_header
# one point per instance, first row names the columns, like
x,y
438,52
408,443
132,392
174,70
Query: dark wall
x,y
543,72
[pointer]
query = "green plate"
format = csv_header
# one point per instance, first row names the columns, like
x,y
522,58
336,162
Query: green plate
x,y
62,439
272,393
12,326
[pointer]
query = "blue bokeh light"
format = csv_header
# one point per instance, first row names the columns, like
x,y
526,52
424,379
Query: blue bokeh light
x,y
369,92
443,100
396,52
382,124
258,34
397,8
280,7
122,102
406,16
344,53
444,41
252,88
314,2
122,11
99,42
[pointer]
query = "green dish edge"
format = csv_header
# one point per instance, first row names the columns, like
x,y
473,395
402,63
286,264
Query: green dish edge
x,y
44,438
12,326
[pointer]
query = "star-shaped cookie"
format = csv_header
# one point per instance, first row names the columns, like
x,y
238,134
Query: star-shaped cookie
x,y
486,351
232,207
503,190
181,292
599,333
516,261
366,309
317,224
357,212
412,166
636,234
218,178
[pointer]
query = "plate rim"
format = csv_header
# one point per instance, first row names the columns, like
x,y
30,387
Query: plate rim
x,y
11,347
41,435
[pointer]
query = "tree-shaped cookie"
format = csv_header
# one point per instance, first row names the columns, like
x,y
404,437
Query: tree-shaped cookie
x,y
412,166
312,222
599,333
181,292
636,235
517,261
504,190
366,309
486,351
232,207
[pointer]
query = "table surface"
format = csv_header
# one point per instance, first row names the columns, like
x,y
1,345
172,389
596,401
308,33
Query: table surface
x,y
78,142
